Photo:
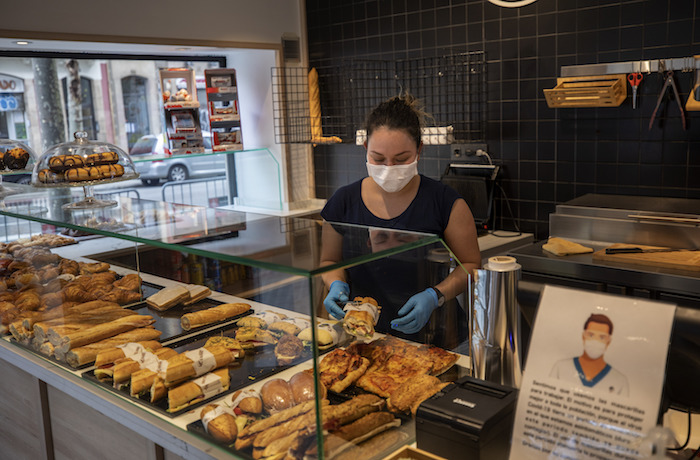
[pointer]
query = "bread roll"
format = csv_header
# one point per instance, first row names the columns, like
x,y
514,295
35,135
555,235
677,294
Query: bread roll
x,y
276,395
302,384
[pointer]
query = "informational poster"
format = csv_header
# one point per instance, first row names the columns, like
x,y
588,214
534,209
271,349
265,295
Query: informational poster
x,y
594,376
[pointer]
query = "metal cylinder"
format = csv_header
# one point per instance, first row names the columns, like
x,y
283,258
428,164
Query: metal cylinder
x,y
494,327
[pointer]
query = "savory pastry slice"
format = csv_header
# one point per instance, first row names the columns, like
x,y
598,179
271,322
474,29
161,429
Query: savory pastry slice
x,y
340,369
408,396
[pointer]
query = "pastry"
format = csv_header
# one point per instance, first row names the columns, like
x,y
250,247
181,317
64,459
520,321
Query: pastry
x,y
111,171
77,174
49,177
16,158
94,173
339,369
62,162
102,158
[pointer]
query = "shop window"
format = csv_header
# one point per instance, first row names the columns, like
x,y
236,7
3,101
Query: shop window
x,y
88,109
134,95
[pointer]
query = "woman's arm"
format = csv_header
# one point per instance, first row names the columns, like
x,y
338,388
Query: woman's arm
x,y
460,236
331,253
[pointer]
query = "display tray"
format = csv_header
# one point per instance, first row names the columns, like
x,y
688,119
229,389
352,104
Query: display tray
x,y
257,364
168,321
390,440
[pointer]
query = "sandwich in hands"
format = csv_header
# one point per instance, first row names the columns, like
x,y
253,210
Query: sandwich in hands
x,y
361,315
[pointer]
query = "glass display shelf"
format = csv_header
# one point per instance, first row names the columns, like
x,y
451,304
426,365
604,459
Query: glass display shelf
x,y
279,269
232,236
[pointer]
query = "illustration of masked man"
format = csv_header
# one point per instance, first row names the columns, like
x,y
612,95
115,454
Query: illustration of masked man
x,y
590,369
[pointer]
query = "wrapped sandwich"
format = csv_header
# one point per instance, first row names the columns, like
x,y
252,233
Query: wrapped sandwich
x,y
361,315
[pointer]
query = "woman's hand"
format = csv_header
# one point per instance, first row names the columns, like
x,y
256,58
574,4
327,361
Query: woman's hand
x,y
416,312
338,292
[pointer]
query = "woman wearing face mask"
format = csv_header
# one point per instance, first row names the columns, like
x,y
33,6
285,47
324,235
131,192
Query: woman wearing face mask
x,y
395,196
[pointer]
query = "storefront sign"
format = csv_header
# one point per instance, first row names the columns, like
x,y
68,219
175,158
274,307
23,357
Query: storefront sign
x,y
10,84
594,375
8,103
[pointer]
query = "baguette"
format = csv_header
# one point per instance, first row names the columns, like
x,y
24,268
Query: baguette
x,y
247,436
67,309
125,367
211,315
86,354
102,331
110,355
197,390
195,363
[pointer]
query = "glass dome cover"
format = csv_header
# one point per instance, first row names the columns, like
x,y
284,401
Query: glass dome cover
x,y
15,157
82,163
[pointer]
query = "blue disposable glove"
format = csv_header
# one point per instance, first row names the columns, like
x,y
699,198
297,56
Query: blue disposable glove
x,y
338,292
416,312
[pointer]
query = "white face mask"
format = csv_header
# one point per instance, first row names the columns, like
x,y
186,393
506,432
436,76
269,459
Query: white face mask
x,y
392,178
594,348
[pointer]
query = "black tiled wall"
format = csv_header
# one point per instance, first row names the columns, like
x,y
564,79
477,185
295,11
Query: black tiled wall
x,y
549,156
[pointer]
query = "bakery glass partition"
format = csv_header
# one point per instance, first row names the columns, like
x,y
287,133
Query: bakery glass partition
x,y
236,300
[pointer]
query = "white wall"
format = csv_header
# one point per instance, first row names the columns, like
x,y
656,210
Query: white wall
x,y
226,20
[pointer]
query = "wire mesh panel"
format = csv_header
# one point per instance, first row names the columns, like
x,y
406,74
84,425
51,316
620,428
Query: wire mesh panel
x,y
292,106
453,89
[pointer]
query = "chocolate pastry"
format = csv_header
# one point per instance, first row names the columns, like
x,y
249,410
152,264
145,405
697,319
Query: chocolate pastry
x,y
102,158
16,158
62,162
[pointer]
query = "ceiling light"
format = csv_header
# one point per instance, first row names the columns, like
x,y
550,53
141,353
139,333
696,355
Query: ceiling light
x,y
22,42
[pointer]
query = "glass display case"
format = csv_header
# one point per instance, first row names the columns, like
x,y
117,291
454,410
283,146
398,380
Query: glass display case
x,y
211,324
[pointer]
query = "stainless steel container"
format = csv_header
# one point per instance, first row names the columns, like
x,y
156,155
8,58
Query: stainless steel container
x,y
494,326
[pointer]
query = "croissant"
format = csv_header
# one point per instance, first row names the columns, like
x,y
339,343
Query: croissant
x,y
97,267
75,293
28,301
51,300
24,279
121,296
54,285
130,282
69,267
48,274
107,277
100,291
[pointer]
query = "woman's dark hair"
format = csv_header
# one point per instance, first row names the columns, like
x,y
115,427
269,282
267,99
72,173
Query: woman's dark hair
x,y
598,318
400,112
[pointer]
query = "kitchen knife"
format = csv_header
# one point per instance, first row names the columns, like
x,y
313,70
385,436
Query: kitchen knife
x,y
637,250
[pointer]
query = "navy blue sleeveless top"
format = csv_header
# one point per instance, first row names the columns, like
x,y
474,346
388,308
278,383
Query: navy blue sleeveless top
x,y
391,281
428,213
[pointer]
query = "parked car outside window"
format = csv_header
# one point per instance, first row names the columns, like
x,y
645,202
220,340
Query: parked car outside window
x,y
178,169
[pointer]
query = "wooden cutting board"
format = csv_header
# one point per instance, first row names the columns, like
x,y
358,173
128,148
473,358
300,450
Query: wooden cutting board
x,y
682,260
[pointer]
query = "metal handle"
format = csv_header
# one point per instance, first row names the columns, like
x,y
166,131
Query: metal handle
x,y
682,220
